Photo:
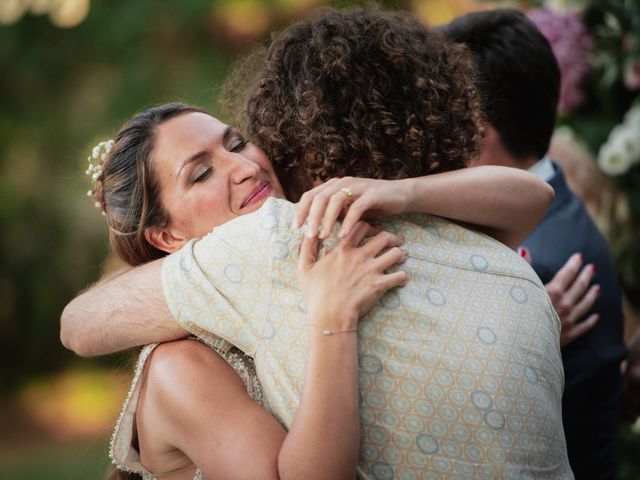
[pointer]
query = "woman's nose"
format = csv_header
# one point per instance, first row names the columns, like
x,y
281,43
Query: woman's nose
x,y
242,168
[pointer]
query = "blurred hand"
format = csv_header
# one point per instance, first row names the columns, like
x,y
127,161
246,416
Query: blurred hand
x,y
572,296
348,281
324,204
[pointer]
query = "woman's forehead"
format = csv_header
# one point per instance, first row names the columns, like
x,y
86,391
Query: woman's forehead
x,y
183,136
190,126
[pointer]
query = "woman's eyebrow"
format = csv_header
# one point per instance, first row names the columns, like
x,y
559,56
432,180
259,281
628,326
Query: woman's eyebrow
x,y
191,159
227,133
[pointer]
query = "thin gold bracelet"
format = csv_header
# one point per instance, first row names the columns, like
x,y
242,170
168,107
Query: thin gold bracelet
x,y
327,332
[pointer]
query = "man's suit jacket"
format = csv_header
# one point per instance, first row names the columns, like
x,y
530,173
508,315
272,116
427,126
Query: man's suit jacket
x,y
566,229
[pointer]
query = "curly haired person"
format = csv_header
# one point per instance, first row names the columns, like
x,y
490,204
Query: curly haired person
x,y
459,369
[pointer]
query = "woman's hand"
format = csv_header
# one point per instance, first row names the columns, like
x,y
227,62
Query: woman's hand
x,y
347,282
323,441
352,197
572,296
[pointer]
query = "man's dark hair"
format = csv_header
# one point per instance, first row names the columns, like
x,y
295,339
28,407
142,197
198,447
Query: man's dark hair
x,y
519,78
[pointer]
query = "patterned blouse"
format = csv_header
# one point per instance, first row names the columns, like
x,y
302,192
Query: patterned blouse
x,y
460,369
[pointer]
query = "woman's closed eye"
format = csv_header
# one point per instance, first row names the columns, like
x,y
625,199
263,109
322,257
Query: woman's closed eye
x,y
237,144
203,175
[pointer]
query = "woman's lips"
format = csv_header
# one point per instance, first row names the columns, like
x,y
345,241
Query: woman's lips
x,y
258,194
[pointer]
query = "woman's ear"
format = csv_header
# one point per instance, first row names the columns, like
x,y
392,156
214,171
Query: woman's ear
x,y
165,238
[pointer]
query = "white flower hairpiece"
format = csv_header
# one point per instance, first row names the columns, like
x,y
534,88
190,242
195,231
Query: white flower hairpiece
x,y
96,161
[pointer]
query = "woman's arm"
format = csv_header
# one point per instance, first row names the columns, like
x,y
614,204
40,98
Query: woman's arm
x,y
324,438
506,203
225,433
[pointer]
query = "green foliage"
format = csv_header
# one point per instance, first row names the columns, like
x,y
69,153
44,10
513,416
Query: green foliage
x,y
62,91
58,462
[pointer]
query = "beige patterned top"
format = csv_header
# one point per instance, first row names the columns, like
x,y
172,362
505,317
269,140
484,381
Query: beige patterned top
x,y
460,370
123,453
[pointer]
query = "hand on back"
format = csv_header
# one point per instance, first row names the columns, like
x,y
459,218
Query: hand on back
x,y
348,281
349,197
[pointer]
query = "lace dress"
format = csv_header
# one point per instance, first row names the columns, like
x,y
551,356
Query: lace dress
x,y
122,451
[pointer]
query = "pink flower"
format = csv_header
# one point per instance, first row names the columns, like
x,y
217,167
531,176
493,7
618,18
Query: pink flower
x,y
571,44
632,73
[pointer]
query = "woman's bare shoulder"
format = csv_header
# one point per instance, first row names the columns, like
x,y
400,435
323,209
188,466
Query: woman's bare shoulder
x,y
195,402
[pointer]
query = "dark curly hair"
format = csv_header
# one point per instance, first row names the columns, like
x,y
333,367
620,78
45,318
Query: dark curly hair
x,y
364,93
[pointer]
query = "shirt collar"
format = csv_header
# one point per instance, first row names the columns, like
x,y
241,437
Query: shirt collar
x,y
543,169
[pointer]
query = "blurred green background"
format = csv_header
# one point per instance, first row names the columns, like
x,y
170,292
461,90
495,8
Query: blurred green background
x,y
71,71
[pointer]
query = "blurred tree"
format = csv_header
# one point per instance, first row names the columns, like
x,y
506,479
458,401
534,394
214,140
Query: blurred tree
x,y
62,91
71,72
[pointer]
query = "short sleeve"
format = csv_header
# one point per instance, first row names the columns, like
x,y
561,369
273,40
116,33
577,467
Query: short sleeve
x,y
222,283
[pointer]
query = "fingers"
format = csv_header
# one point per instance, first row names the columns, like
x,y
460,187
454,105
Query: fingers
x,y
308,252
580,286
579,329
337,202
567,273
524,253
392,280
322,205
358,234
318,207
354,213
304,205
381,241
584,305
391,257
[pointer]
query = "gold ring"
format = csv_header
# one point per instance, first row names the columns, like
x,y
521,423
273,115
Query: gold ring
x,y
347,191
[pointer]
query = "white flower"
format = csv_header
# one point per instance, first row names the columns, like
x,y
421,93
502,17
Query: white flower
x,y
613,159
632,118
635,426
622,149
629,141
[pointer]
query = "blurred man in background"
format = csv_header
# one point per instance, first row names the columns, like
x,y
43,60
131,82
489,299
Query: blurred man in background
x,y
519,81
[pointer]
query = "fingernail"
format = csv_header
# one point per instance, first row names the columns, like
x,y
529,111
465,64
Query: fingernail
x,y
598,289
593,268
405,252
581,257
522,251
